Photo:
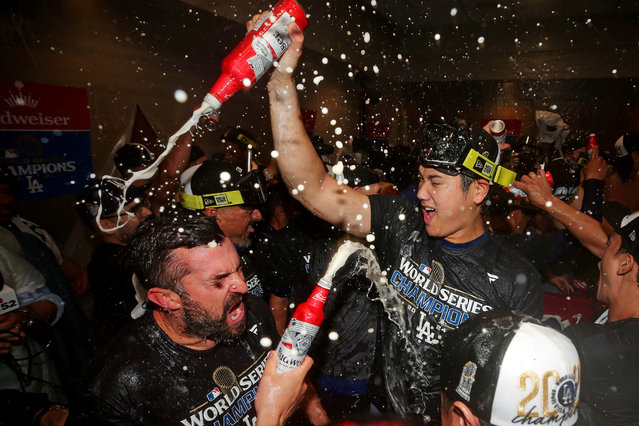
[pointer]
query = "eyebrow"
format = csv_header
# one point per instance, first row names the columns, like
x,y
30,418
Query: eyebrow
x,y
221,276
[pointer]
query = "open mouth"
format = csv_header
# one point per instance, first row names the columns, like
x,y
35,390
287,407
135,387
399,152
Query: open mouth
x,y
236,313
429,213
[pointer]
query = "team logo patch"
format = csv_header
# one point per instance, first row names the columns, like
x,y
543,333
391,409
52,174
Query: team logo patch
x,y
466,380
221,199
564,396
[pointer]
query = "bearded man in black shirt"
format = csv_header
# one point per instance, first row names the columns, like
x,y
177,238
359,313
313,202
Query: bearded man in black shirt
x,y
198,355
441,264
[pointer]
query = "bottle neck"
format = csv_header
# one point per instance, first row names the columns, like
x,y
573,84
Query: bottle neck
x,y
224,88
320,293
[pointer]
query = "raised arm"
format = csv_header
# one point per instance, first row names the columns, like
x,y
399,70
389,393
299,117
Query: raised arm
x,y
300,166
586,229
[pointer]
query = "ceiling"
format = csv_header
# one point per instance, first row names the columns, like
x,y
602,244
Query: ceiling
x,y
430,40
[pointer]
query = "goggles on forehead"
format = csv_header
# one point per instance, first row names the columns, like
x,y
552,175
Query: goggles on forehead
x,y
478,164
250,193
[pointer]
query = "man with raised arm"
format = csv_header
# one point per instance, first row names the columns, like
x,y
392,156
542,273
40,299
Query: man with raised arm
x,y
440,262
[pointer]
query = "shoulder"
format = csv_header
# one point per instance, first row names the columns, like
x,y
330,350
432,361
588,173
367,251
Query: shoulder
x,y
507,257
389,211
125,360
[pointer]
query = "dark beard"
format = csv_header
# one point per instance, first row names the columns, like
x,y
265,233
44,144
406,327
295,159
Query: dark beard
x,y
199,324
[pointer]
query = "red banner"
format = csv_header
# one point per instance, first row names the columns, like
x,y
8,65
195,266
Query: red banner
x,y
32,106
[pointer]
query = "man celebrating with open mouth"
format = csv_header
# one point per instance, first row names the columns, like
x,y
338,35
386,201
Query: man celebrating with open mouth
x,y
442,265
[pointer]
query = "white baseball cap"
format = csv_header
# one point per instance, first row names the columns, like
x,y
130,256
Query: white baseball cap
x,y
509,369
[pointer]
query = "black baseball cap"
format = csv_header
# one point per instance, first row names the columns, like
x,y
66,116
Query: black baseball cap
x,y
509,368
220,183
625,224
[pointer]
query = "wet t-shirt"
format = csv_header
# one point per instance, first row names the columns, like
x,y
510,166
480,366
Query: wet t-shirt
x,y
433,286
143,377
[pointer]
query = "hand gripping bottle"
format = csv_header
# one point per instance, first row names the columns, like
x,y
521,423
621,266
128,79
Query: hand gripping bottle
x,y
302,328
266,42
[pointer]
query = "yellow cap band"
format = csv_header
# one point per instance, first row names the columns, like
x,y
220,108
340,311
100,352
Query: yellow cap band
x,y
504,177
490,171
220,199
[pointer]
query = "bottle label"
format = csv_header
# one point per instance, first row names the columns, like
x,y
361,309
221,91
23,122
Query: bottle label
x,y
262,60
271,45
296,341
277,35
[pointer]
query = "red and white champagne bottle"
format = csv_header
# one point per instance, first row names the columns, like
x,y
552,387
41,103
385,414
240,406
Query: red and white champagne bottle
x,y
254,55
302,328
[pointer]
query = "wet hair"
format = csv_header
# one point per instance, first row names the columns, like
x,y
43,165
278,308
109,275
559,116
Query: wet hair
x,y
156,239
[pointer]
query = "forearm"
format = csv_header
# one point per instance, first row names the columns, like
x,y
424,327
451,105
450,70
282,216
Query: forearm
x,y
586,229
298,162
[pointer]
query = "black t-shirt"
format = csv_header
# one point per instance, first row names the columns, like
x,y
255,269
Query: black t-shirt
x,y
433,286
110,274
609,356
254,281
283,256
296,257
144,377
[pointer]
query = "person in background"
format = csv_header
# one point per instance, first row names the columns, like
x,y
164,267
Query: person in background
x,y
505,368
609,351
223,192
622,185
110,268
74,338
30,386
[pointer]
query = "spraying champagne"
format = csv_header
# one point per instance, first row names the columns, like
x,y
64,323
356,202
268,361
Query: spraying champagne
x,y
254,55
308,316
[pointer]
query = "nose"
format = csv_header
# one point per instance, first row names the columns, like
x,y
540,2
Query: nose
x,y
422,192
238,285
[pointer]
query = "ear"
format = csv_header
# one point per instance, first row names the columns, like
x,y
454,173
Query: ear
x,y
164,298
481,190
626,264
464,416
